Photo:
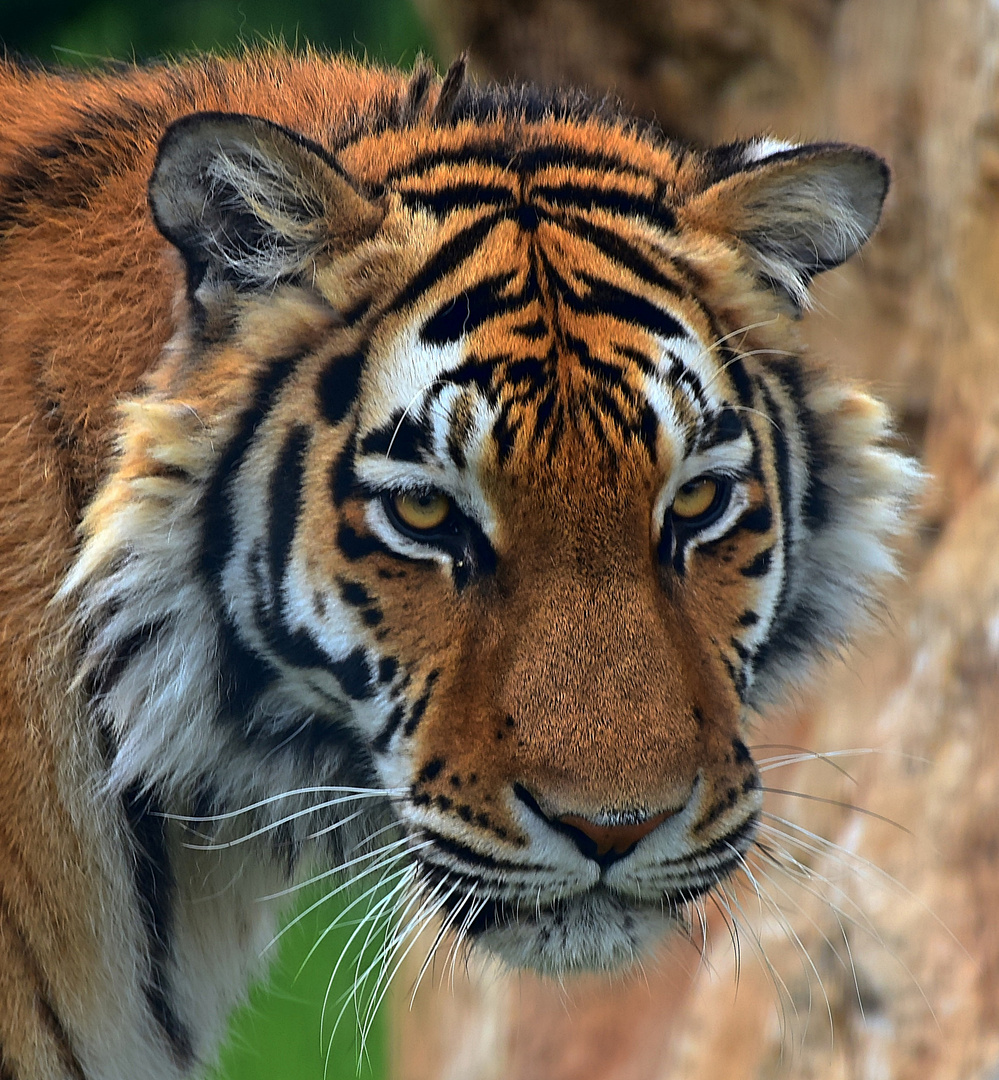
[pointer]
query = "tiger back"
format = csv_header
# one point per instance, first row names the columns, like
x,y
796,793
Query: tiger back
x,y
424,462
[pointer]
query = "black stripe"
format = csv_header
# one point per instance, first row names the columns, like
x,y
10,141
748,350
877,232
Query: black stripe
x,y
71,1063
627,255
16,936
561,155
760,566
533,331
725,426
404,435
299,650
41,172
470,856
469,310
112,666
740,650
734,368
457,250
285,507
218,527
462,196
384,737
6,1071
512,157
245,676
782,464
626,306
420,708
154,886
815,503
342,478
577,196
354,674
758,519
354,593
356,546
339,385
639,359
497,155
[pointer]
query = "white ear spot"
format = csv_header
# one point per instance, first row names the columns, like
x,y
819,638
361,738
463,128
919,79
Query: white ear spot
x,y
797,210
762,148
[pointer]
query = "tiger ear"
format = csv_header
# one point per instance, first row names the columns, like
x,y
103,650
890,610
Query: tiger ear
x,y
797,210
249,203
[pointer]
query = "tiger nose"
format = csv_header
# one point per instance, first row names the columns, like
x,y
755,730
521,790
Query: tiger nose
x,y
605,844
608,843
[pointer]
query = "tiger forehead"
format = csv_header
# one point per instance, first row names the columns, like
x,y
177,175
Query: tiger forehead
x,y
548,329
503,152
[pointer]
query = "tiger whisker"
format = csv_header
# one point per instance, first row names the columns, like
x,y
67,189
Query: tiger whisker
x,y
784,996
360,981
405,877
732,933
803,876
775,908
808,965
271,826
757,412
367,895
839,803
456,936
745,329
801,755
402,903
371,916
460,941
340,867
402,929
427,910
386,863
348,793
405,412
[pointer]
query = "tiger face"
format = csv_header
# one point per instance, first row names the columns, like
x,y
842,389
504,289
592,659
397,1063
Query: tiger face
x,y
487,472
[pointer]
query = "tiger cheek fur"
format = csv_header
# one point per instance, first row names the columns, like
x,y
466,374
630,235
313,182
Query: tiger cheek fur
x,y
481,496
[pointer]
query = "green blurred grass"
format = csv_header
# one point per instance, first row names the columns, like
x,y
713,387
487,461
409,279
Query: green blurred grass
x,y
277,1036
71,32
281,1035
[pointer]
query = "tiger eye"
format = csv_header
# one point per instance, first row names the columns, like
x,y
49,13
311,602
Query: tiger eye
x,y
421,510
695,498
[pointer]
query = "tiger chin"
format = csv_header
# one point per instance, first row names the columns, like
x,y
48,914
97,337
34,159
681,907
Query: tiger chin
x,y
422,478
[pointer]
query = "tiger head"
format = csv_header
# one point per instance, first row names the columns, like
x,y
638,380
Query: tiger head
x,y
486,471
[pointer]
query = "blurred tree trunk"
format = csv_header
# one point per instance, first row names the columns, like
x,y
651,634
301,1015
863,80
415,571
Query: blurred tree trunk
x,y
901,930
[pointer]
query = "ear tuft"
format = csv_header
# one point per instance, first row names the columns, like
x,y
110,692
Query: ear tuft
x,y
797,210
249,203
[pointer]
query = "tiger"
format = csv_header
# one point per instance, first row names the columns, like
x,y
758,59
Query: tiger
x,y
400,473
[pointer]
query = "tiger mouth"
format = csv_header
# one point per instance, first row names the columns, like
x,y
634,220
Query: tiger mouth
x,y
526,930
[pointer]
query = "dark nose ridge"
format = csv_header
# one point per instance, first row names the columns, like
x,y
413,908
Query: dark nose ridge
x,y
605,844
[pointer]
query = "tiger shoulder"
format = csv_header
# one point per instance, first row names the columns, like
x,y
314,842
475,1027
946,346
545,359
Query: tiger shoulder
x,y
405,475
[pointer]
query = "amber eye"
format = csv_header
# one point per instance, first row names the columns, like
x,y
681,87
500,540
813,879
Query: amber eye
x,y
421,511
698,498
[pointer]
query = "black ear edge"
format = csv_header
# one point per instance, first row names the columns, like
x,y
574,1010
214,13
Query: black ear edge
x,y
745,156
190,124
212,232
797,209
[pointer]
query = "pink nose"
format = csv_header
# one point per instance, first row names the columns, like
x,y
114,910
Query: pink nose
x,y
619,839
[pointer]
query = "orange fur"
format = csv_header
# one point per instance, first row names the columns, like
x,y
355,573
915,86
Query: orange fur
x,y
580,671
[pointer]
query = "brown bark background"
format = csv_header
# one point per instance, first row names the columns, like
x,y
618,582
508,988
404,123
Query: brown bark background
x,y
886,964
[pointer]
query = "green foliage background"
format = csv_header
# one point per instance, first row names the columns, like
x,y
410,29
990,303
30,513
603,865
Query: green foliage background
x,y
279,1035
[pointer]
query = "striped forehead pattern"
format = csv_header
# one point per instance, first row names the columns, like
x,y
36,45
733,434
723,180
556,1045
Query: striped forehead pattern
x,y
558,292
